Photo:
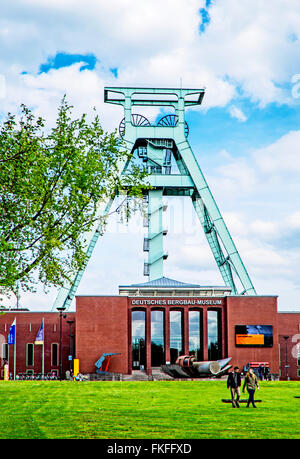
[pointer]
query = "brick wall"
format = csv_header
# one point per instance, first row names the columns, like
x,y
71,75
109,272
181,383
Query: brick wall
x,y
289,326
102,327
27,327
249,310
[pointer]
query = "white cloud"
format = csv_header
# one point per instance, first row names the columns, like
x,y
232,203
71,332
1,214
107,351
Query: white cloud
x,y
237,175
282,156
265,229
157,43
265,257
44,91
293,221
244,42
237,113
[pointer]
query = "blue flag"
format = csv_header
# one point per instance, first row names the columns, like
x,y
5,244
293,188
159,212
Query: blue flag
x,y
40,336
12,333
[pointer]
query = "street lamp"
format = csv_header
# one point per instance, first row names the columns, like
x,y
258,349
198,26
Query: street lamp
x,y
61,316
286,358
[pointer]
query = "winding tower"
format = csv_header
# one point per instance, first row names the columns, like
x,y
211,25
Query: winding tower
x,y
163,148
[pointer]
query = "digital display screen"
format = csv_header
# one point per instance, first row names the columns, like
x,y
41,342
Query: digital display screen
x,y
254,335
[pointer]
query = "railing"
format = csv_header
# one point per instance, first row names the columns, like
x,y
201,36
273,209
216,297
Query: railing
x,y
36,377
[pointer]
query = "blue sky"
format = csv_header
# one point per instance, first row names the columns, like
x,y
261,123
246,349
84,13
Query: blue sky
x,y
216,129
245,135
205,17
62,59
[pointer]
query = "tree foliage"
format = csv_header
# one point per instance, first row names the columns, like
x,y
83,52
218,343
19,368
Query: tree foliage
x,y
51,183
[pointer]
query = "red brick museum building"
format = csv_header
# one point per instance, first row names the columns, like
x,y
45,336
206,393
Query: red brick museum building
x,y
152,324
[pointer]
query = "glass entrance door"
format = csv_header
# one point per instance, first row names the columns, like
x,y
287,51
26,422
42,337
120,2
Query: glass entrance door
x,y
138,340
175,335
214,334
195,335
157,338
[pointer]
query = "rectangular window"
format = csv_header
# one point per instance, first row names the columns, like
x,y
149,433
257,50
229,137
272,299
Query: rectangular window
x,y
4,353
29,354
176,339
138,332
54,354
157,338
195,334
214,334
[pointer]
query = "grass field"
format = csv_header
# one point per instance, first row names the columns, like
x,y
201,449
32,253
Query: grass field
x,y
145,410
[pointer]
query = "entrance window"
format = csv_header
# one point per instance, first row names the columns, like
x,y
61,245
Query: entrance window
x,y
138,332
4,355
195,334
54,354
175,335
214,334
29,354
157,338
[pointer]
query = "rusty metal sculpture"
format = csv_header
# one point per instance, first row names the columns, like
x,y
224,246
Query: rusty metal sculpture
x,y
187,367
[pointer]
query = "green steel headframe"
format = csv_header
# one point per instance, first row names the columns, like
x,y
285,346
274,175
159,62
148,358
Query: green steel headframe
x,y
174,171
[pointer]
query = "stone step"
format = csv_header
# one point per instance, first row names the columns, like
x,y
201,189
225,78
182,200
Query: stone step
x,y
159,375
137,375
105,377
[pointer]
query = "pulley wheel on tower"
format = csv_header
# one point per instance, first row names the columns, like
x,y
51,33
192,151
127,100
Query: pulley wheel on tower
x,y
136,120
172,120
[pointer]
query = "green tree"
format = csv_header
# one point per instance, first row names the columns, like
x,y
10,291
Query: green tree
x,y
51,184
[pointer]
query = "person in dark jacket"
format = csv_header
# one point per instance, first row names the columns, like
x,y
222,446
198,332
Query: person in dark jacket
x,y
266,373
234,384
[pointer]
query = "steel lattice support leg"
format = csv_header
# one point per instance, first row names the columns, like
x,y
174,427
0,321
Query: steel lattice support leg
x,y
215,216
214,244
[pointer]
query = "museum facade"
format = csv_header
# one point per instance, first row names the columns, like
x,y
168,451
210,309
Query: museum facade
x,y
150,325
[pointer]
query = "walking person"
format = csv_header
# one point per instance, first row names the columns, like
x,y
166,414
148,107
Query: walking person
x,y
251,383
234,384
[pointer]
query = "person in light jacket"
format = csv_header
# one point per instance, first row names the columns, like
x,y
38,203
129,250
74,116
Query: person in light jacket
x,y
251,383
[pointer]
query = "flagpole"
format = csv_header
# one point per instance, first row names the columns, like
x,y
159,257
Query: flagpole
x,y
43,353
15,350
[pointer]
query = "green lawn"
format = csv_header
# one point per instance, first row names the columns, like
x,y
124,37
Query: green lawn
x,y
145,410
